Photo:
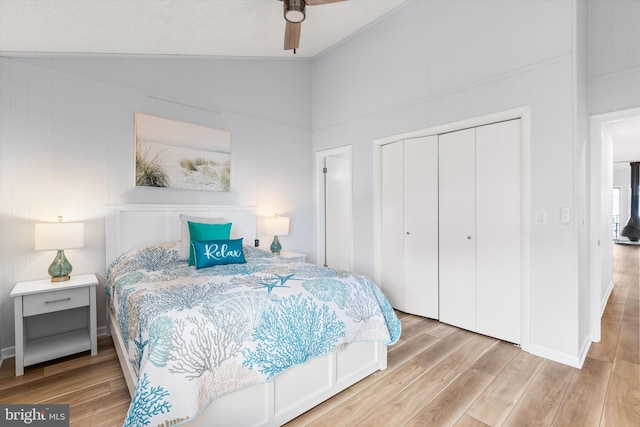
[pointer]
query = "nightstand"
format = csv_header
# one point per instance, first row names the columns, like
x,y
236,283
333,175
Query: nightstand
x,y
293,256
39,297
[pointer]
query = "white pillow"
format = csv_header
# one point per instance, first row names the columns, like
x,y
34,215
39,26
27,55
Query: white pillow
x,y
186,237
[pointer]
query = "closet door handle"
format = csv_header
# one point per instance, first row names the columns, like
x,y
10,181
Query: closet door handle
x,y
468,237
408,233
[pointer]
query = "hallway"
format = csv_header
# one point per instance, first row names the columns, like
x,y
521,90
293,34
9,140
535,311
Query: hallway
x,y
612,366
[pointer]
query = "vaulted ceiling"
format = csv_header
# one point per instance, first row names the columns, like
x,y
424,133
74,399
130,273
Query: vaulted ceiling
x,y
177,27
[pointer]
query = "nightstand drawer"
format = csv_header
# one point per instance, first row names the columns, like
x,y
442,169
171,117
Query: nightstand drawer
x,y
55,301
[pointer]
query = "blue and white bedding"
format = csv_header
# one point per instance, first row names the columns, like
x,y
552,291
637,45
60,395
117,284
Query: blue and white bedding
x,y
193,335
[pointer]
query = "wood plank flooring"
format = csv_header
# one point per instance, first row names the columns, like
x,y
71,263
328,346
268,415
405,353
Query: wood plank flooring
x,y
437,375
93,387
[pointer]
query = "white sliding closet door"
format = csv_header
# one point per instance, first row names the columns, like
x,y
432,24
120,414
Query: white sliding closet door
x,y
457,201
421,226
481,229
499,230
451,227
409,225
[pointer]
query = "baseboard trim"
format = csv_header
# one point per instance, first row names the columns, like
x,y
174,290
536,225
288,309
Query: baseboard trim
x,y
7,353
556,356
596,332
564,358
603,305
584,350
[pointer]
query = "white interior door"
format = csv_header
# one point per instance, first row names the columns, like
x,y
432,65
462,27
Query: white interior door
x,y
457,237
601,229
421,226
498,230
391,223
604,242
338,212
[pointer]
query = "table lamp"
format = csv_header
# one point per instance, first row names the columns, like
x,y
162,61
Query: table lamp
x,y
59,236
276,226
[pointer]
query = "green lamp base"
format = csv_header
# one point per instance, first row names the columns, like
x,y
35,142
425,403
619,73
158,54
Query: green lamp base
x,y
275,246
60,268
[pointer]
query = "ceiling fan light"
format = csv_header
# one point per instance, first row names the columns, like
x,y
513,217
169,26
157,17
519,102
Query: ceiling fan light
x,y
294,10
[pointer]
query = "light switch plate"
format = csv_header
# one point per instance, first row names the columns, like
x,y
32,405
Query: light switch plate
x,y
565,215
540,217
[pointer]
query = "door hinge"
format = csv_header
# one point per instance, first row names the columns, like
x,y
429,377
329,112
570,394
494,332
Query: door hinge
x,y
324,170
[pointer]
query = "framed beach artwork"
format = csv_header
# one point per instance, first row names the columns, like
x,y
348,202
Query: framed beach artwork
x,y
174,154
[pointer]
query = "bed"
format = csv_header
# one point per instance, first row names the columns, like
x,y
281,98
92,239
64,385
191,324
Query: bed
x,y
205,346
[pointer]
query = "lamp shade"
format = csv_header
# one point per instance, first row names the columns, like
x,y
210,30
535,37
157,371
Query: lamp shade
x,y
276,225
59,235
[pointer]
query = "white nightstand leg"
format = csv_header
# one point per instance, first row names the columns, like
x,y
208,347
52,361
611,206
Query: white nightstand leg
x,y
17,308
92,321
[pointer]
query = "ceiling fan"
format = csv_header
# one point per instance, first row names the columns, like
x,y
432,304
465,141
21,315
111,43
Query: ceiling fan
x,y
294,14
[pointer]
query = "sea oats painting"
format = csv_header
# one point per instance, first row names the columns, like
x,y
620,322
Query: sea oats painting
x,y
174,154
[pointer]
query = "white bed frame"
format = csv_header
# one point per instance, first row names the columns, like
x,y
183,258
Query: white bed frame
x,y
288,395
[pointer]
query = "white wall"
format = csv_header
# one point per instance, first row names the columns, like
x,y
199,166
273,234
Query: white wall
x,y
614,55
66,147
614,83
429,63
436,62
584,242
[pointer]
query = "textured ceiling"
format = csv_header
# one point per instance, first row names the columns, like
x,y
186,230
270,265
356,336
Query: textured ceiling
x,y
177,27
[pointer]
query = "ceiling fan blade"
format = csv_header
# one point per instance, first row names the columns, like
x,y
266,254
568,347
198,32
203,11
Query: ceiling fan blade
x,y
292,35
319,2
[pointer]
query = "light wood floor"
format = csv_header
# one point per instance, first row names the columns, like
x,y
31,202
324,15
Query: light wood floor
x,y
437,375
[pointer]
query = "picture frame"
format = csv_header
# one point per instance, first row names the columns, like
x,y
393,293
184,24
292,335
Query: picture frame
x,y
180,155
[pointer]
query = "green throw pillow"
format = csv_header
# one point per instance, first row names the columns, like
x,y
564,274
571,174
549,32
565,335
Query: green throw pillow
x,y
199,231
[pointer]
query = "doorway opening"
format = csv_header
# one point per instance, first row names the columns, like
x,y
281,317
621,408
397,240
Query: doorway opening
x,y
335,222
615,143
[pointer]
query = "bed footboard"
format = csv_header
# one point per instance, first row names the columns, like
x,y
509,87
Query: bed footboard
x,y
287,396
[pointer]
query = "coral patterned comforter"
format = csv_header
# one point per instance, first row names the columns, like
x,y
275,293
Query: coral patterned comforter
x,y
193,335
